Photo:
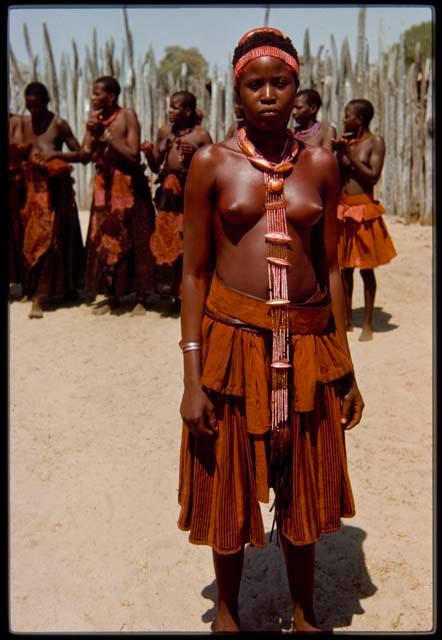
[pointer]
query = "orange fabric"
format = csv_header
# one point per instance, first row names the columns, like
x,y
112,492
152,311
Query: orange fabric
x,y
38,213
237,362
113,196
363,238
359,207
172,183
166,242
222,480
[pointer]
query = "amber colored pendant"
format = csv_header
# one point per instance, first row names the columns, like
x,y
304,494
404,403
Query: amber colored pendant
x,y
275,186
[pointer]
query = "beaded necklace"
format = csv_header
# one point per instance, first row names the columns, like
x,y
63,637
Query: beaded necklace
x,y
302,134
108,121
357,140
277,240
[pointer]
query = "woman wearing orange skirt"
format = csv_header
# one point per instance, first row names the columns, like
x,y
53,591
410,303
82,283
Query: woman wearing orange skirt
x,y
269,387
363,240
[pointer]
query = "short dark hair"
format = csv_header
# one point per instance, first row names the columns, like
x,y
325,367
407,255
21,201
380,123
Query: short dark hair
x,y
188,100
364,108
37,89
263,38
313,98
110,84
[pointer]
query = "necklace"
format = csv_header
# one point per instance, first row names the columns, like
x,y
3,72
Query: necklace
x,y
361,139
108,121
182,132
277,240
306,133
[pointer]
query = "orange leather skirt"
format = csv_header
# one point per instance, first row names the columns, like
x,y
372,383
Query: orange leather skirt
x,y
222,480
363,238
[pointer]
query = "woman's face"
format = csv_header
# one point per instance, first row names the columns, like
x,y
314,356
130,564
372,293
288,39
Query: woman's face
x,y
266,93
302,110
351,119
100,99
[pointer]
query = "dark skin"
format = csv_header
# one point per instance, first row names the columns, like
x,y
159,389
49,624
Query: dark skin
x,y
361,158
179,151
224,204
45,133
305,115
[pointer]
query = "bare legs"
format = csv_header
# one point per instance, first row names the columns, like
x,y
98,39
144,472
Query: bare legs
x,y
369,281
300,563
369,294
37,307
228,570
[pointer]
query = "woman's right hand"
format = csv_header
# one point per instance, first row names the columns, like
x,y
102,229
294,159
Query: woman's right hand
x,y
198,413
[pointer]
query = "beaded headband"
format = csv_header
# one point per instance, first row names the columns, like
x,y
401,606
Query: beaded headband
x,y
264,50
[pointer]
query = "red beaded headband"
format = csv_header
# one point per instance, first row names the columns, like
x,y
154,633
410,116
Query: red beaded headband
x,y
264,50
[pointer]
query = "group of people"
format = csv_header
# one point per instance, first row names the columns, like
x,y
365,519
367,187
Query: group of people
x,y
276,219
131,249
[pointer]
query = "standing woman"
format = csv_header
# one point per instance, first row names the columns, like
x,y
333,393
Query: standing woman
x,y
269,387
363,238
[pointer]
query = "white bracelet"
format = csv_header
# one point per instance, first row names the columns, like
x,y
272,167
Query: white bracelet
x,y
192,347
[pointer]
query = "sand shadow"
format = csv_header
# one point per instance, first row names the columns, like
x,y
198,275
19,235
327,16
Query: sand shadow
x,y
381,319
341,582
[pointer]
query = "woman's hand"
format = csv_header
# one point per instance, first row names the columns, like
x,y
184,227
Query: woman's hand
x,y
147,148
198,413
186,151
94,125
352,404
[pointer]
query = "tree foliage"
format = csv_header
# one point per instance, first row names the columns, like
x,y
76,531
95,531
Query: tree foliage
x,y
422,33
195,63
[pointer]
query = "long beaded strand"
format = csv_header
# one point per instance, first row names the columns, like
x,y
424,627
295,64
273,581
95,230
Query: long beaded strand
x,y
277,240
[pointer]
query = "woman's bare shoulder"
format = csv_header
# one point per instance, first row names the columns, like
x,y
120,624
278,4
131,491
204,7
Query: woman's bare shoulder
x,y
212,154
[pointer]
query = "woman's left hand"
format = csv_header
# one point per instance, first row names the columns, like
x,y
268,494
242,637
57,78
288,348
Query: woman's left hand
x,y
352,406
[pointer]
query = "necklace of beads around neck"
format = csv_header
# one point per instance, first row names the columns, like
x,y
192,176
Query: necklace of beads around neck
x,y
306,133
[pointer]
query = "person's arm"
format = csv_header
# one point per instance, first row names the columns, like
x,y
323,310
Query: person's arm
x,y
147,148
371,173
68,138
353,404
161,146
128,149
328,137
196,409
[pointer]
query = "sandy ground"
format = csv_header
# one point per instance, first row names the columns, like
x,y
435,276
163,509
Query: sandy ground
x,y
94,445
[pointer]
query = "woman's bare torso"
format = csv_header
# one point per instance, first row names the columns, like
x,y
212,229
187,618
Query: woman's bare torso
x,y
354,185
240,224
47,138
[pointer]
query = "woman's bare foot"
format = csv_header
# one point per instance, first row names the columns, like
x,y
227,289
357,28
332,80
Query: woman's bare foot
x,y
226,621
349,326
101,308
366,334
301,625
138,310
36,310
